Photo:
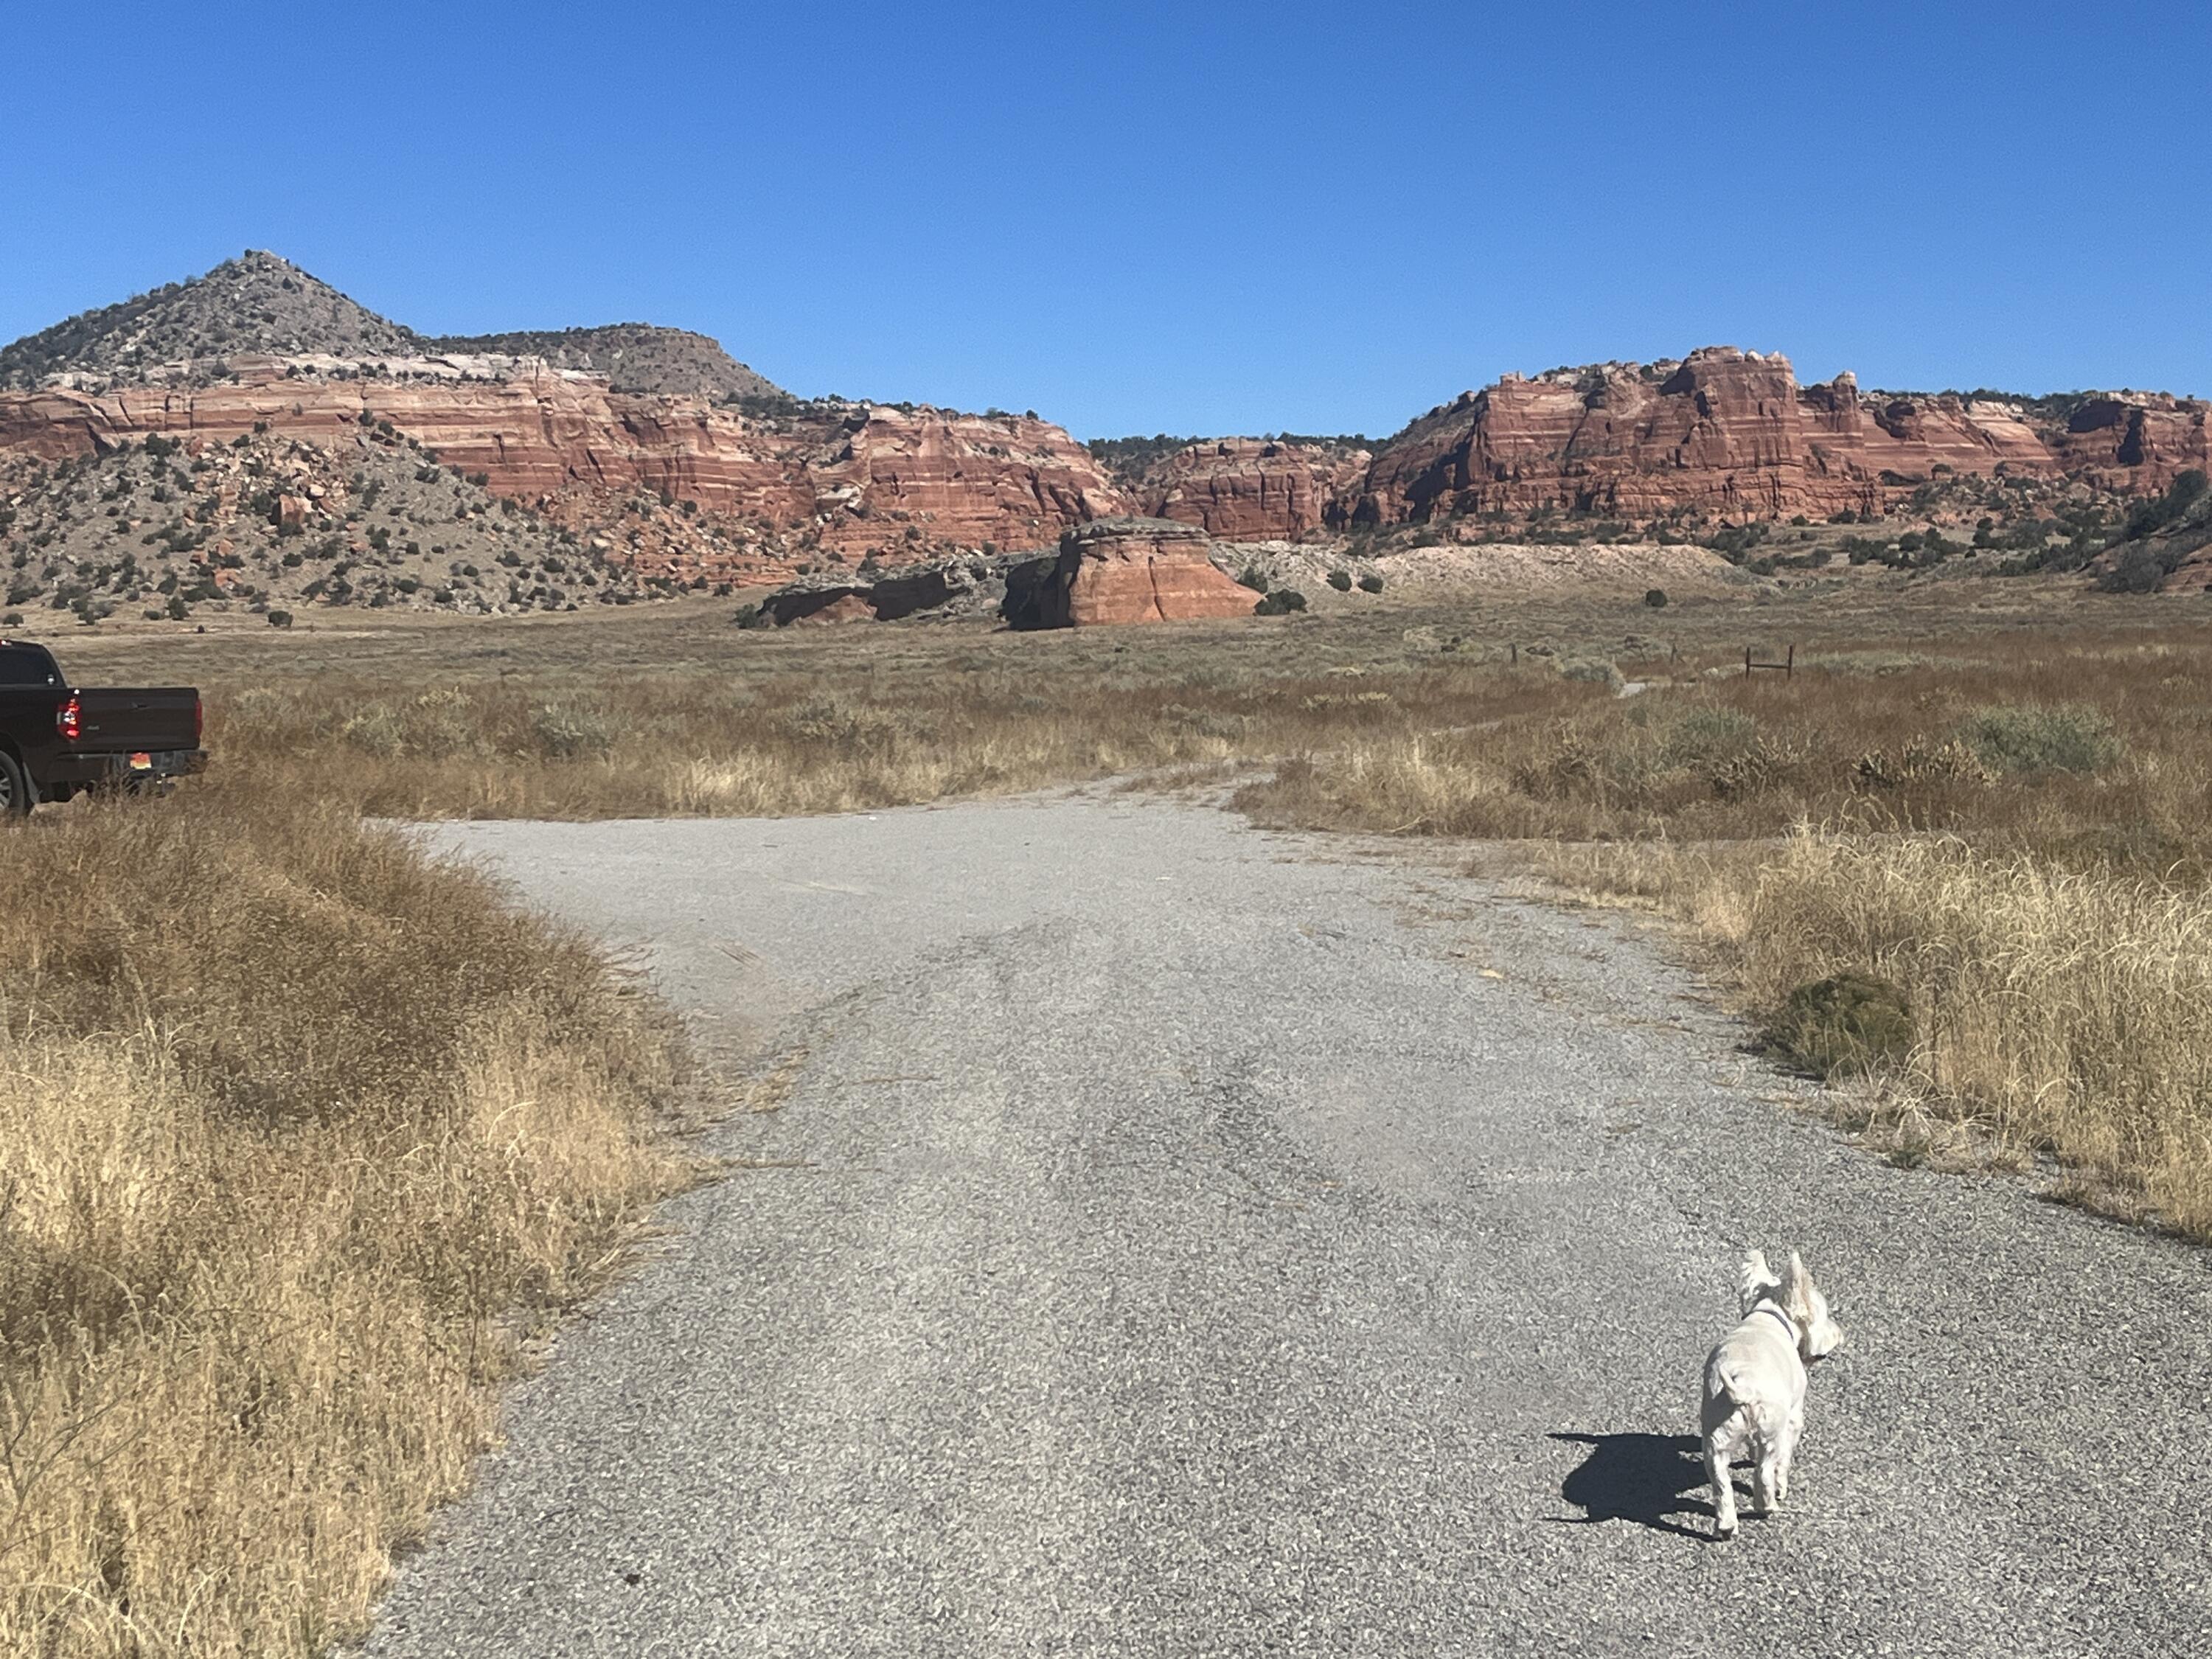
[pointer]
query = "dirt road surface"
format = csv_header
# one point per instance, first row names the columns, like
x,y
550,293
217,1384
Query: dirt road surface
x,y
1181,1239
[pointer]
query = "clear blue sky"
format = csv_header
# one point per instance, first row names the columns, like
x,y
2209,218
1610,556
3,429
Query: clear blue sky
x,y
1192,218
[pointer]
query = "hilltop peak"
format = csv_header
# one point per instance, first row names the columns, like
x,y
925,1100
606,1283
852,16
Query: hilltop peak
x,y
259,302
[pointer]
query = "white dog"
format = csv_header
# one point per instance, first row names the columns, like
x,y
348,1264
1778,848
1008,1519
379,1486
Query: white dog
x,y
1754,1400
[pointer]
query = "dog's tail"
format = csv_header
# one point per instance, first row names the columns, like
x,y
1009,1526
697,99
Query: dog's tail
x,y
1744,1412
1737,1411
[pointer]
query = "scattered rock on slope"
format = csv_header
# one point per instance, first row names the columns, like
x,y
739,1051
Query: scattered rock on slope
x,y
632,357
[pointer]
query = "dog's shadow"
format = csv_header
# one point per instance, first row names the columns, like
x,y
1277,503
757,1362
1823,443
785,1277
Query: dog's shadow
x,y
1646,1479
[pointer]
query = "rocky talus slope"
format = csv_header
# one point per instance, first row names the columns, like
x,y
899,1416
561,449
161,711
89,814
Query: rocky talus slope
x,y
270,523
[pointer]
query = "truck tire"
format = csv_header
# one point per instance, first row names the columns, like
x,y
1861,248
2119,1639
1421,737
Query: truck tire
x,y
16,798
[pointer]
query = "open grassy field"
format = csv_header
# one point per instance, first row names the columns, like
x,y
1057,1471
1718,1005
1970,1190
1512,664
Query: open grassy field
x,y
304,1130
1944,743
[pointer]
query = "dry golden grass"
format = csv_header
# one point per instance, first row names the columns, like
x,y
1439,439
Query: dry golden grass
x,y
303,1135
2065,1011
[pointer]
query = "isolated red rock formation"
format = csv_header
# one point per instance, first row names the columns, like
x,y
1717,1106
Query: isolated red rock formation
x,y
1253,490
1733,433
1133,570
898,483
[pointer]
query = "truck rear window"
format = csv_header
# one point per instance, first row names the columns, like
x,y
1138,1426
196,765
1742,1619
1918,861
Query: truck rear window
x,y
21,666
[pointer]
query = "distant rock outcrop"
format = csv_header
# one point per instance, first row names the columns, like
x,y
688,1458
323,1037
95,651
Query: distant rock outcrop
x,y
703,473
950,587
656,451
1124,570
1732,432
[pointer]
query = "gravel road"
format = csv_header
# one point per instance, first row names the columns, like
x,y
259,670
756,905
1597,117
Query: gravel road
x,y
1181,1239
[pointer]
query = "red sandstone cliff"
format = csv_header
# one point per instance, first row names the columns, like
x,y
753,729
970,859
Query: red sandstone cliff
x,y
1733,433
857,480
1722,432
1252,489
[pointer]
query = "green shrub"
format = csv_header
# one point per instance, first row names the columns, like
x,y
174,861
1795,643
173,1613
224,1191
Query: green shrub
x,y
1596,671
280,619
1370,583
1706,734
829,717
376,729
1253,578
1281,602
1655,598
2029,737
2141,569
571,730
1848,1023
1340,581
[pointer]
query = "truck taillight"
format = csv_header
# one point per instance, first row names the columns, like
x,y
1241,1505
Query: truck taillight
x,y
69,719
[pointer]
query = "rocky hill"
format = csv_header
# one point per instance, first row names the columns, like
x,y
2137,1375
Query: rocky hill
x,y
1252,489
649,448
631,356
170,530
256,304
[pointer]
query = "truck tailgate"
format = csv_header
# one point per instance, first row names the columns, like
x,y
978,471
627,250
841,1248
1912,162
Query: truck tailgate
x,y
160,717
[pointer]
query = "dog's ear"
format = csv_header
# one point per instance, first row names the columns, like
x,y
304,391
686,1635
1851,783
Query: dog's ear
x,y
1757,1279
1797,1287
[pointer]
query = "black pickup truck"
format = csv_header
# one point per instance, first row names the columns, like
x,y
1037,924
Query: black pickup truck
x,y
58,739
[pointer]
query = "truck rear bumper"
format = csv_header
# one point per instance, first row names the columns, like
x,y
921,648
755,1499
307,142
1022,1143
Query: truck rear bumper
x,y
80,771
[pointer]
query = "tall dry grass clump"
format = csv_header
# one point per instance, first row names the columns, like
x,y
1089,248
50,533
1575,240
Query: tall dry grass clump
x,y
301,1132
2067,1010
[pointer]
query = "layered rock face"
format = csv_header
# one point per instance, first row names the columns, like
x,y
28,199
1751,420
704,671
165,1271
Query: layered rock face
x,y
1733,433
1012,480
1253,489
856,479
1125,570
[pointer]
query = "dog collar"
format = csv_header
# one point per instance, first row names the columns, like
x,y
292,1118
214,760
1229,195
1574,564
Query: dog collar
x,y
1782,1315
